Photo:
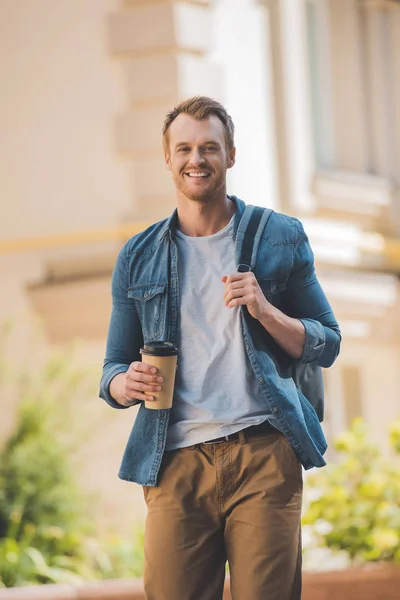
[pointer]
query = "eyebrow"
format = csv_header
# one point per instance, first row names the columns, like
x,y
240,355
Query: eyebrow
x,y
208,143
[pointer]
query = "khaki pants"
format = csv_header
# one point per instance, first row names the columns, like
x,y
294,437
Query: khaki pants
x,y
236,501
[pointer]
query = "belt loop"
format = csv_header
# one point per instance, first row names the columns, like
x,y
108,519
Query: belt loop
x,y
242,437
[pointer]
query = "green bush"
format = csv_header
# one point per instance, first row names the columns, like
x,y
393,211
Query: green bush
x,y
356,501
47,532
116,557
42,522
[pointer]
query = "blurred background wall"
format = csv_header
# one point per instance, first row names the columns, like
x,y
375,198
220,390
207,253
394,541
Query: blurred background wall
x,y
314,89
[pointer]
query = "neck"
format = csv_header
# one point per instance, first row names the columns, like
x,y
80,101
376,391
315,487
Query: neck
x,y
197,219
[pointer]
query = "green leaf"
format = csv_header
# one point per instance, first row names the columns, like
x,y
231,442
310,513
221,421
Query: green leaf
x,y
358,497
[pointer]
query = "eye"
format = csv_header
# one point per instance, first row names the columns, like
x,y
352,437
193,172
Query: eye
x,y
211,148
183,149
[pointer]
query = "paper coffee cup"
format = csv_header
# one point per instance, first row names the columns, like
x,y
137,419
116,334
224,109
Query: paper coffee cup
x,y
163,356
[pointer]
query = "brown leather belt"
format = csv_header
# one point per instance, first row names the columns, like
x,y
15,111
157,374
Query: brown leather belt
x,y
251,431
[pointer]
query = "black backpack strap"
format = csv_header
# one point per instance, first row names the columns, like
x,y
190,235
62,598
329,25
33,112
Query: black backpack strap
x,y
256,219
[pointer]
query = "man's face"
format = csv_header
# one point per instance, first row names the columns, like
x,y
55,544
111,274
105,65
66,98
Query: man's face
x,y
197,156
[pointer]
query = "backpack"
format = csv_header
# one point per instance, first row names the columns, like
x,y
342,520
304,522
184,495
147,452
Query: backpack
x,y
306,376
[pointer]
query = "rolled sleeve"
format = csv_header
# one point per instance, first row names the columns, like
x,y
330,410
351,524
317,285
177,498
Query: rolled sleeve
x,y
315,340
125,336
109,372
305,300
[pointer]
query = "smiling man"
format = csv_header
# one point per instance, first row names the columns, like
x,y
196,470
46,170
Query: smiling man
x,y
222,469
198,159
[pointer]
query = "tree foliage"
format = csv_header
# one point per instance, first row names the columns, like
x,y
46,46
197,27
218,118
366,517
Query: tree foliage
x,y
356,501
47,528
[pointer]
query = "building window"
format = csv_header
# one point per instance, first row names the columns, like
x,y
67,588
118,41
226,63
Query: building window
x,y
381,32
320,88
353,57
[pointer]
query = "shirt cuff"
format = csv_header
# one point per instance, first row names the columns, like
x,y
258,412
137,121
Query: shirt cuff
x,y
315,340
105,385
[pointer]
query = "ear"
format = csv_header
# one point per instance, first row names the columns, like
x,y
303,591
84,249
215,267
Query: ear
x,y
167,160
231,157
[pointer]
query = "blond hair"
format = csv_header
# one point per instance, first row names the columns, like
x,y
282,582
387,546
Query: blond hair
x,y
201,107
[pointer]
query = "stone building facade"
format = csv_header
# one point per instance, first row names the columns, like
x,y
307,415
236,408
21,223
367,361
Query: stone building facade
x,y
314,90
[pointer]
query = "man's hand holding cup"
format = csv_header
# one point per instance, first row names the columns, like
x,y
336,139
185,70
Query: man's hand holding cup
x,y
153,380
142,381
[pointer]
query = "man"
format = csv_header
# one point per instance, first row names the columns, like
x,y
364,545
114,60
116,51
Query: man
x,y
221,470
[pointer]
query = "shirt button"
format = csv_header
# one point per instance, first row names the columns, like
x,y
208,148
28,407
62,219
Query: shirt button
x,y
145,295
275,409
247,346
261,379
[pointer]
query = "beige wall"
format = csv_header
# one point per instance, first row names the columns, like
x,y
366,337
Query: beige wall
x,y
59,172
61,92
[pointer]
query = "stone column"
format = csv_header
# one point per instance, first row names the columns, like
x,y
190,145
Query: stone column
x,y
162,46
295,160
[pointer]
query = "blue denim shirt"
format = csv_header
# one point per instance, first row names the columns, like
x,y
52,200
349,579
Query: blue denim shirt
x,y
145,292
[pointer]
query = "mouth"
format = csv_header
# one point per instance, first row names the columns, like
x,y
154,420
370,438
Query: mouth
x,y
198,174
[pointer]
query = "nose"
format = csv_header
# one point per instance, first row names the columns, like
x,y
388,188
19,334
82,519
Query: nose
x,y
196,158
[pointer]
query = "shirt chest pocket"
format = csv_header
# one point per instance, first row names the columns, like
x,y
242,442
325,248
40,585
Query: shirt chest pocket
x,y
150,301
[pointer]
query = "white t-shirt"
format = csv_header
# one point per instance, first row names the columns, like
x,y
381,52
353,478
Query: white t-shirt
x,y
216,392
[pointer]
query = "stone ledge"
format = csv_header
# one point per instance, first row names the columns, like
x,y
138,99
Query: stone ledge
x,y
85,306
160,28
370,583
366,199
123,589
380,4
136,3
173,77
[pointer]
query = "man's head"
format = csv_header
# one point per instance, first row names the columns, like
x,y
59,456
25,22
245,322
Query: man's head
x,y
198,139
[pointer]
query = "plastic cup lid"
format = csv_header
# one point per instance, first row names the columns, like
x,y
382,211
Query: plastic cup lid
x,y
159,349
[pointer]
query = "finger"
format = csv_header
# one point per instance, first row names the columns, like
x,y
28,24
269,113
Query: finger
x,y
142,397
143,367
237,293
239,277
235,277
239,287
240,301
248,285
135,386
237,284
134,376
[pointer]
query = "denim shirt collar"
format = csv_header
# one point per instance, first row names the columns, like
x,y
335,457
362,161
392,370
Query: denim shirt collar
x,y
171,222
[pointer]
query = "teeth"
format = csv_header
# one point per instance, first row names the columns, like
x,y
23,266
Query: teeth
x,y
197,174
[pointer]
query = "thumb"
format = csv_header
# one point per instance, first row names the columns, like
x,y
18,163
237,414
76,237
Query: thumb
x,y
224,278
